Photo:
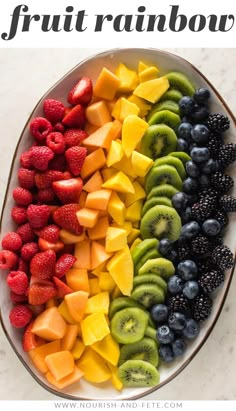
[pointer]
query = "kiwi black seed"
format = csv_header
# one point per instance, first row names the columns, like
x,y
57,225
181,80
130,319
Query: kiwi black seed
x,y
165,117
159,267
155,201
164,174
181,82
142,248
152,253
145,350
148,294
172,94
159,140
121,302
172,161
150,278
161,222
128,325
181,155
164,105
138,373
165,190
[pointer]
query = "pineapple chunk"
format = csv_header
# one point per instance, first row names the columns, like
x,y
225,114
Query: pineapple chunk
x,y
133,130
141,103
139,194
98,303
115,153
121,269
152,90
133,212
116,239
108,349
119,182
94,328
93,366
149,73
124,108
128,79
106,282
141,163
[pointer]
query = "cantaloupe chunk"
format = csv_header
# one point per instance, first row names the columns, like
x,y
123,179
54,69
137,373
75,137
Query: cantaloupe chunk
x,y
94,183
99,231
87,218
106,282
51,303
94,286
78,348
98,254
121,269
76,303
149,73
90,128
63,310
49,325
106,84
98,303
98,113
60,364
92,163
70,379
133,212
102,137
116,239
38,354
93,366
116,208
69,338
108,349
139,194
82,198
69,238
82,253
119,182
141,163
107,173
77,279
128,79
133,235
115,153
125,166
133,130
152,90
98,200
94,328
144,107
124,108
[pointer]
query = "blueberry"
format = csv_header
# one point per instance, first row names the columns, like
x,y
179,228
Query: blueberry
x,y
186,105
199,113
191,329
182,145
200,133
192,199
176,321
201,95
192,169
190,185
172,255
210,166
187,269
190,230
175,284
165,335
191,146
159,313
186,215
166,353
211,227
191,289
165,246
180,201
204,181
178,347
200,154
184,131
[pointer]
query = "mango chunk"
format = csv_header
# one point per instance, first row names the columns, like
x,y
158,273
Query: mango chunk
x,y
77,279
76,303
94,183
124,108
108,349
115,380
78,349
152,90
75,376
144,107
149,73
93,162
128,79
94,367
60,364
114,154
106,85
116,208
94,286
121,270
94,328
119,182
142,66
116,239
106,282
141,163
139,194
98,303
107,173
133,212
133,130
49,325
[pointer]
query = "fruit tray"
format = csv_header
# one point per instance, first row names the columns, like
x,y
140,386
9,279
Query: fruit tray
x,y
91,68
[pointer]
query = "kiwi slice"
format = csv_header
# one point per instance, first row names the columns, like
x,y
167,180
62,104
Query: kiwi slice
x,y
181,155
150,278
172,94
151,332
172,161
159,267
164,174
158,141
129,325
145,350
138,373
143,248
161,222
156,201
181,82
165,190
148,294
169,105
121,302
153,253
165,117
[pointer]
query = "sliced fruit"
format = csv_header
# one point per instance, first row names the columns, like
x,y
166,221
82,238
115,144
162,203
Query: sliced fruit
x,y
141,163
172,161
97,114
119,182
164,174
139,194
60,364
180,82
77,279
152,253
133,212
184,157
138,373
155,201
145,350
116,239
159,140
149,73
128,79
75,376
69,338
114,154
152,90
38,354
161,222
87,217
128,325
108,349
141,103
93,366
106,84
103,136
116,208
99,231
165,117
121,270
98,254
150,278
166,190
143,248
93,162
148,294
159,266
172,94
49,325
121,302
106,282
124,108
116,382
164,105
94,183
78,349
82,254
94,328
133,130
76,303
98,303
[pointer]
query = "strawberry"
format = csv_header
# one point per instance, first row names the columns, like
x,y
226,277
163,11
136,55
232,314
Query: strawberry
x,y
11,241
54,110
66,218
20,316
42,265
19,215
31,340
22,196
8,259
58,163
63,264
26,233
17,299
38,215
61,287
75,157
29,250
45,179
26,178
18,282
45,196
55,141
45,245
40,292
50,233
25,160
40,127
74,136
75,117
59,127
82,92
68,191
40,157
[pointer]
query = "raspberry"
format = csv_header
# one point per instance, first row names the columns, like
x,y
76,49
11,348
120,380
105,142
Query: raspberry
x,y
26,178
63,264
50,233
26,233
42,265
55,141
25,160
17,299
11,241
22,266
75,157
40,157
38,215
22,196
40,127
45,179
58,163
74,136
46,195
54,110
8,259
18,282
29,250
59,127
20,316
19,215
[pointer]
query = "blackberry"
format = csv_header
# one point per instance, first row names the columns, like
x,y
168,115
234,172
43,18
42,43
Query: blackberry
x,y
178,303
226,155
183,251
223,257
204,265
201,308
218,122
222,182
222,217
217,240
210,280
201,245
210,193
203,209
214,144
228,203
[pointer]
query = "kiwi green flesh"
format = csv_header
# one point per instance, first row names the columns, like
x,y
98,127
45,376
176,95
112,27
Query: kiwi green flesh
x,y
155,201
180,82
128,325
147,278
181,155
121,302
148,295
161,222
159,267
142,248
159,140
165,174
164,105
153,253
165,117
138,373
172,94
151,332
145,350
164,190
172,161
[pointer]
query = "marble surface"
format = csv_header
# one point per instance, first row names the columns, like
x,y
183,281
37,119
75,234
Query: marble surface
x,y
25,74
